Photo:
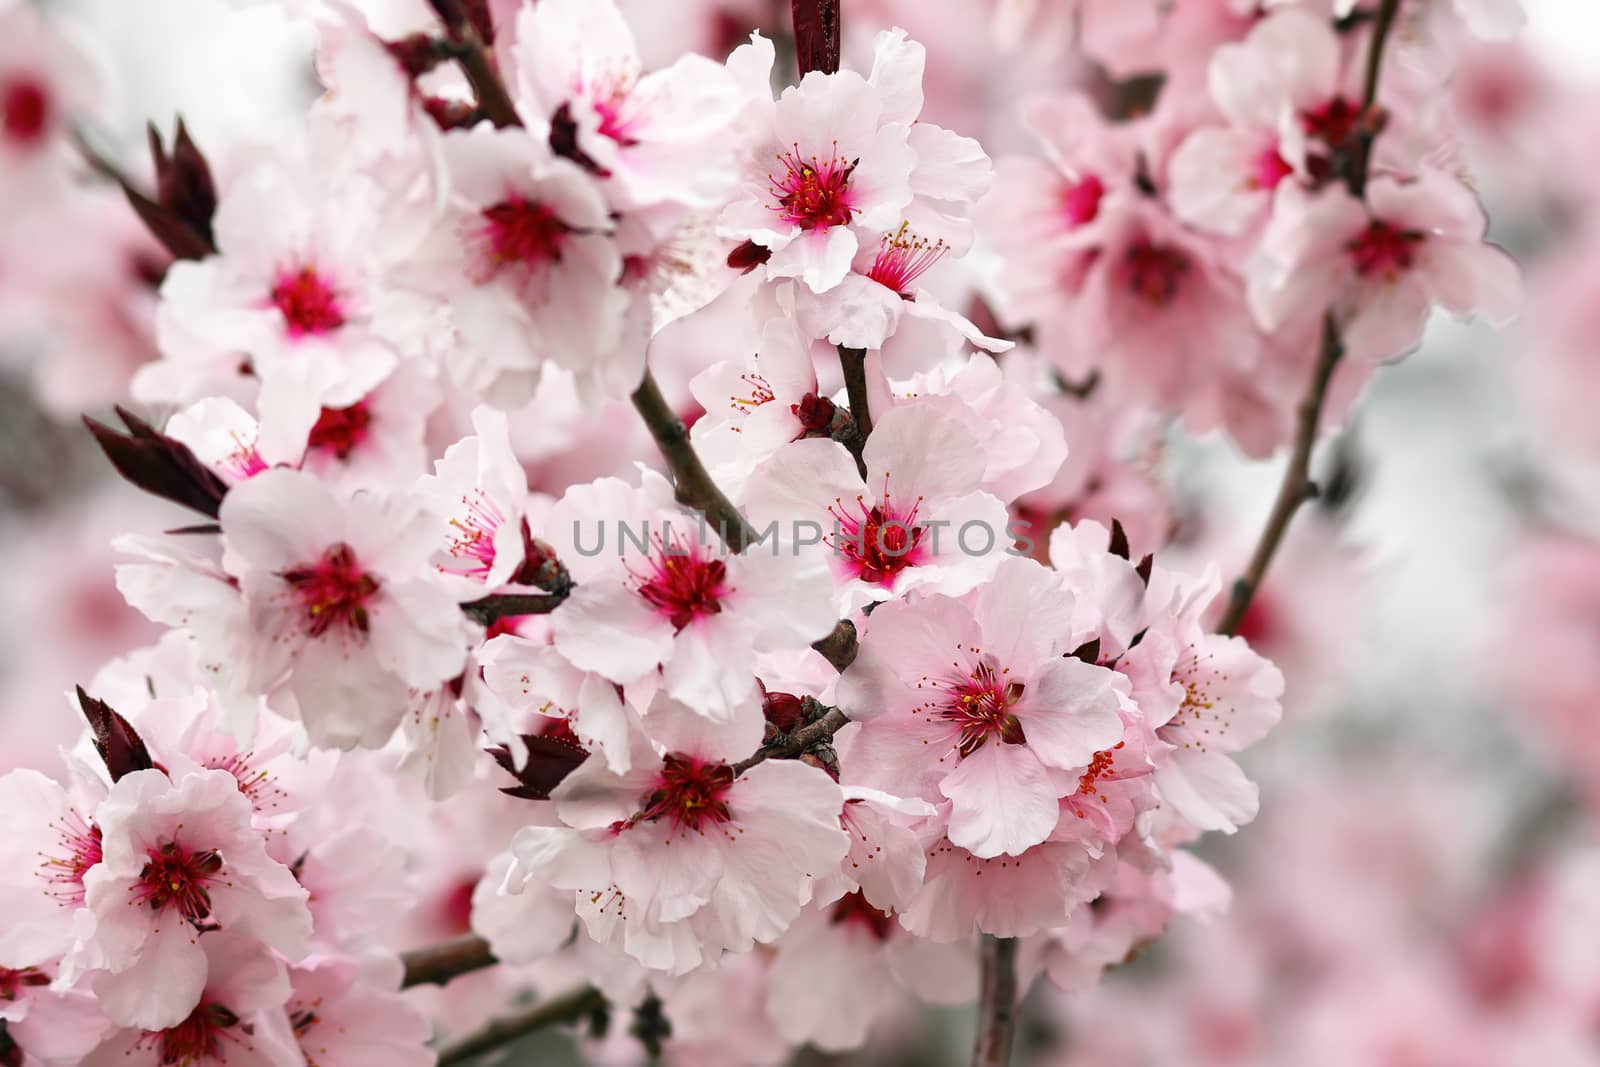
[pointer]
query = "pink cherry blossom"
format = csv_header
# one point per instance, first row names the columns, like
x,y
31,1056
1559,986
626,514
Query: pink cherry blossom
x,y
1384,263
655,590
655,138
980,705
180,861
345,612
919,519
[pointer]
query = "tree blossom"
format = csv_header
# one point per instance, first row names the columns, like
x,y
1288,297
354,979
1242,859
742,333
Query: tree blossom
x,y
655,138
979,703
1412,244
179,861
681,861
918,519
654,591
524,263
345,611
827,166
292,305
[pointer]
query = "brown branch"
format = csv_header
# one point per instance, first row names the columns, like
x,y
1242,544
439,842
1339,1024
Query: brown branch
x,y
438,964
796,743
997,1002
853,362
695,489
1382,23
568,1007
478,65
1296,487
486,610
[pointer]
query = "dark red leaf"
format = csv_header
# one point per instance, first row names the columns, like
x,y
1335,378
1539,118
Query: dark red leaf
x,y
1119,540
114,738
159,464
549,761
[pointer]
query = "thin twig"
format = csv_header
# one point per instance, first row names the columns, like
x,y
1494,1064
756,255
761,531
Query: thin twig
x,y
853,362
695,488
1370,120
997,1002
438,964
487,610
566,1008
796,743
1296,487
478,65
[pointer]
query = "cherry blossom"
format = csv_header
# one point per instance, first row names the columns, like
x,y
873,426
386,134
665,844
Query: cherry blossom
x,y
345,612
917,519
183,853
654,590
982,703
1412,244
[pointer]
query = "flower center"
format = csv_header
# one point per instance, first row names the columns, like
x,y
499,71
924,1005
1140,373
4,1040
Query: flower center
x,y
341,430
309,305
524,232
26,111
902,258
615,123
473,539
1268,169
681,585
198,1039
1382,249
176,876
1331,123
853,908
333,591
689,794
979,704
878,541
761,392
1080,201
1154,272
12,983
813,194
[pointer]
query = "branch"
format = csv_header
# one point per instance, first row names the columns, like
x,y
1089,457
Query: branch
x,y
997,1002
486,610
568,1007
1382,24
796,743
695,489
478,65
1297,486
853,361
438,964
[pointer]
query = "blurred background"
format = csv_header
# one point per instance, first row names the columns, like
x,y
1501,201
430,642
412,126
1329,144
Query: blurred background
x,y
1422,888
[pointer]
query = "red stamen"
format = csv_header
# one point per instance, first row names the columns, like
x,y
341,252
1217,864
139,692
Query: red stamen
x,y
333,591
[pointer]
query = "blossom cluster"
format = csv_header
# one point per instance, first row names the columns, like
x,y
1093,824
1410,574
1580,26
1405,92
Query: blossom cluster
x,y
464,631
